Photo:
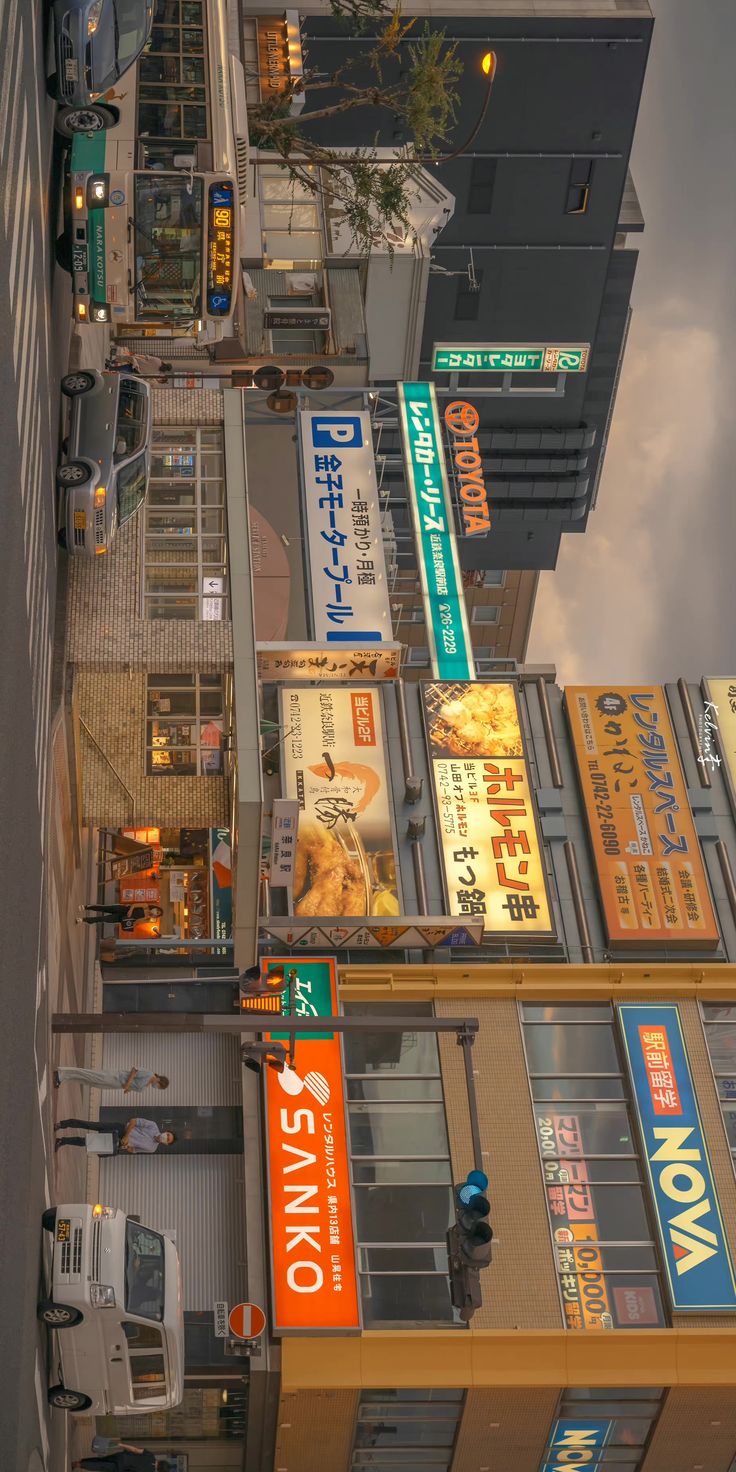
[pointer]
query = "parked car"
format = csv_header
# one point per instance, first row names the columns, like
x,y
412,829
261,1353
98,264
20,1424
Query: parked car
x,y
95,43
104,478
116,1302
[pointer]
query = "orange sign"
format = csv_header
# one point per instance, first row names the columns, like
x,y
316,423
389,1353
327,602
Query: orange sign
x,y
312,1243
650,869
462,420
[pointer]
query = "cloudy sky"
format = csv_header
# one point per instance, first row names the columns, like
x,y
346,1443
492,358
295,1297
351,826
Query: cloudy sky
x,y
649,591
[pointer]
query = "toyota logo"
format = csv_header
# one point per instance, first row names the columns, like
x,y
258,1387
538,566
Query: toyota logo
x,y
461,417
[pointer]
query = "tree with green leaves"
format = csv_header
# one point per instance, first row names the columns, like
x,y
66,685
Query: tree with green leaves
x,y
412,78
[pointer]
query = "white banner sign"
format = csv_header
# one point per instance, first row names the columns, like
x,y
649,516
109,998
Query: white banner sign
x,y
220,1313
347,569
284,825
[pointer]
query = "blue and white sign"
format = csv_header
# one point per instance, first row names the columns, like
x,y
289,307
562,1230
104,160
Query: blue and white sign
x,y
694,1247
448,634
575,1443
347,567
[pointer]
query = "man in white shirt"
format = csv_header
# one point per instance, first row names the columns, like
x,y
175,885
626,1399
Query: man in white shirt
x,y
130,1080
140,1136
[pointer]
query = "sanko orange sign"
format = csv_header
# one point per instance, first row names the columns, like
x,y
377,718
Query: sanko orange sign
x,y
312,1243
462,420
650,869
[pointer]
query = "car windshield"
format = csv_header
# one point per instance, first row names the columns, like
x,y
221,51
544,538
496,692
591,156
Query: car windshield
x,y
131,487
130,426
144,1272
168,246
131,23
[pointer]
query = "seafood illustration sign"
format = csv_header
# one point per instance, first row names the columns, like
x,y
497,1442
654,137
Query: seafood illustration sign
x,y
492,857
334,763
312,1242
647,856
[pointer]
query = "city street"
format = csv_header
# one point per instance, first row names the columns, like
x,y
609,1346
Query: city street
x,y
38,866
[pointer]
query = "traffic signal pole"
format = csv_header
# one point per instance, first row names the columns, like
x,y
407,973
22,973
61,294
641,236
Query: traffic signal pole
x,y
465,1029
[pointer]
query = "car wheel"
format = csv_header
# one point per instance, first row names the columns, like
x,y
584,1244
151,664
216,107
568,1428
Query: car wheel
x,y
48,1220
68,1400
57,1315
63,253
61,539
71,474
52,84
73,384
93,119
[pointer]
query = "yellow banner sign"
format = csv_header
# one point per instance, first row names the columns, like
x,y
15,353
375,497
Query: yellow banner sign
x,y
489,841
650,869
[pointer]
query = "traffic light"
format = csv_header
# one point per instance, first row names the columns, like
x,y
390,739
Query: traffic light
x,y
259,982
469,1243
254,1055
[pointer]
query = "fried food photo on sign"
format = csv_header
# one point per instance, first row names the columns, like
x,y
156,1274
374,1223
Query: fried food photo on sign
x,y
327,880
481,721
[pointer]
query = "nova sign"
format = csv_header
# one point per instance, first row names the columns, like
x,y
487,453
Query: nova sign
x,y
691,1230
461,421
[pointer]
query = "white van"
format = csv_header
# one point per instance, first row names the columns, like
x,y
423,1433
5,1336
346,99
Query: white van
x,y
116,1301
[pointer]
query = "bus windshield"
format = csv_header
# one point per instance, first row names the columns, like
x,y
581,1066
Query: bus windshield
x,y
144,1271
168,246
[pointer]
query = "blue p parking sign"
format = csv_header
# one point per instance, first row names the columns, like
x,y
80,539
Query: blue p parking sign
x,y
337,431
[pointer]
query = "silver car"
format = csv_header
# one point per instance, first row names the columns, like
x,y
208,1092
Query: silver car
x,y
105,474
95,43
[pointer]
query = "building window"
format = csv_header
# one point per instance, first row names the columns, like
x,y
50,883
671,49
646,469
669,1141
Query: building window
x,y
493,578
185,721
604,1247
401,1172
482,180
629,1416
486,613
172,90
290,222
407,1429
720,1035
467,298
578,189
417,654
185,526
303,341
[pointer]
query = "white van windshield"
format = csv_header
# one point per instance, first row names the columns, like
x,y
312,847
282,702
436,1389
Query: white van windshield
x,y
144,1272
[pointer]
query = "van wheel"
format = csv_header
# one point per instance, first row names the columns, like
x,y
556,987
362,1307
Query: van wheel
x,y
63,252
71,474
57,1315
93,119
48,1220
73,384
68,1400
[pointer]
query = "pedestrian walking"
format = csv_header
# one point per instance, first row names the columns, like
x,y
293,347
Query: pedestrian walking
x,y
130,1080
124,915
127,1458
137,1137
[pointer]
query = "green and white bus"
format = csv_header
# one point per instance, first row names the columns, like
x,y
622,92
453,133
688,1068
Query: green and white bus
x,y
155,201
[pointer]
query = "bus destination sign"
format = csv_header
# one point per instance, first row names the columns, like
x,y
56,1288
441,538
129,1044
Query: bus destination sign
x,y
220,249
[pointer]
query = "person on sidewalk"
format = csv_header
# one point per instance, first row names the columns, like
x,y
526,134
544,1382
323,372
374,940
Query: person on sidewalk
x,y
130,1080
125,916
138,1137
126,1458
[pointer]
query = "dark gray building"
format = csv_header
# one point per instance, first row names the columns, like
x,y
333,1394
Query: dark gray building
x,y
537,251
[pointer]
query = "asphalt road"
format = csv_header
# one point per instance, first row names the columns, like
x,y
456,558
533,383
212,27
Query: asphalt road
x,y
34,334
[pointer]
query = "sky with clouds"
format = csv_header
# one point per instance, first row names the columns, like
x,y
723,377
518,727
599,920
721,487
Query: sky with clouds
x,y
649,590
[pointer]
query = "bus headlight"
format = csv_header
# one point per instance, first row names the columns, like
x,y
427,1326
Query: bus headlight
x,y
99,312
98,191
102,1295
